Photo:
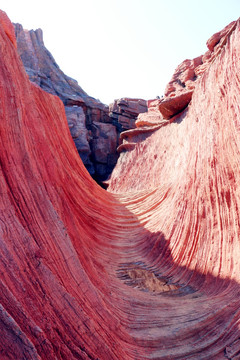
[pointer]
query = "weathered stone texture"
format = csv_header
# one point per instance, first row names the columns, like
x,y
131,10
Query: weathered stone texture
x,y
43,70
147,271
82,110
125,111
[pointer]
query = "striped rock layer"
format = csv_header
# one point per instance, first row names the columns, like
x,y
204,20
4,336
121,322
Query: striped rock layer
x,y
147,271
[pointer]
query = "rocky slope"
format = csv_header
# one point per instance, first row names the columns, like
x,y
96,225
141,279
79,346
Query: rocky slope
x,y
151,273
95,132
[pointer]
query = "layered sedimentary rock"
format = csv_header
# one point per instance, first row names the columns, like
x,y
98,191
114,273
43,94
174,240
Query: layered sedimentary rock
x,y
182,176
82,110
125,111
95,133
179,90
149,271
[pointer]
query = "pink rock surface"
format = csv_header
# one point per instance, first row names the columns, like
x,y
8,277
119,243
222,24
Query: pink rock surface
x,y
173,105
8,27
178,92
184,180
149,271
215,38
43,71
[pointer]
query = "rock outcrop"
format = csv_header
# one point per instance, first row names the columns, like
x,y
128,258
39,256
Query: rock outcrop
x,y
149,271
82,110
94,132
179,90
124,112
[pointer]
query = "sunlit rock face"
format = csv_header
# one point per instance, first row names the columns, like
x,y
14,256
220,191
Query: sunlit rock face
x,y
85,115
82,110
147,271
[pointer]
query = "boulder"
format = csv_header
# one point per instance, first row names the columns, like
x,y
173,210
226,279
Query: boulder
x,y
173,105
184,76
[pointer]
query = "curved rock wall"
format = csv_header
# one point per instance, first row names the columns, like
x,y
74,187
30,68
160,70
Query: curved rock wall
x,y
95,132
150,272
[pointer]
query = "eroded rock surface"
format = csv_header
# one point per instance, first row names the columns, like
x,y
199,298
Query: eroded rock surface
x,y
179,90
84,113
149,271
43,70
184,171
124,112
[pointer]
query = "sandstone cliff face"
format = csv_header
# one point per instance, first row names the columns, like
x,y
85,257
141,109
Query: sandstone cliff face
x,y
180,168
172,109
151,273
94,132
81,109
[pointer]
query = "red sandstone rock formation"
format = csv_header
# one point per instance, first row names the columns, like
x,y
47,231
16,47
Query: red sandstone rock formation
x,y
179,90
85,114
182,178
151,273
81,109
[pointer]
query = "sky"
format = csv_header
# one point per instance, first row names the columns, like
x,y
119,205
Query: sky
x,y
123,48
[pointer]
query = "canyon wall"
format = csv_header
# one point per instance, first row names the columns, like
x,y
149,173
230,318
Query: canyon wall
x,y
147,271
95,132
